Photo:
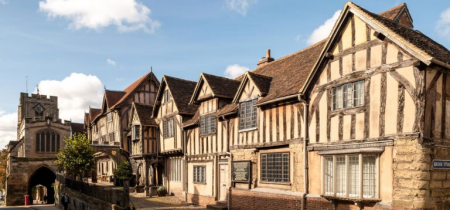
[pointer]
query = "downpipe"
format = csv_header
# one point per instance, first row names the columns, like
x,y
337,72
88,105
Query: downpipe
x,y
305,155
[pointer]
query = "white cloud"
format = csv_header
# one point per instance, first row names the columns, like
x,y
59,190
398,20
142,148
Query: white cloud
x,y
443,24
3,2
126,15
324,30
75,94
235,70
240,6
8,128
111,62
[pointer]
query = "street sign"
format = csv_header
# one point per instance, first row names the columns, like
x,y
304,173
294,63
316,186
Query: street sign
x,y
441,164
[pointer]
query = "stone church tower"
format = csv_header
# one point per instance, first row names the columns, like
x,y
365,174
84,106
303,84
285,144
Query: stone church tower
x,y
31,159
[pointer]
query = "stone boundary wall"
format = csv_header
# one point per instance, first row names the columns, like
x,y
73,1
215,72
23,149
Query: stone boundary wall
x,y
200,200
80,201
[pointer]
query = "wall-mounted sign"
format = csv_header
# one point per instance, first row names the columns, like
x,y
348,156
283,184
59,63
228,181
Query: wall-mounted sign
x,y
441,164
241,171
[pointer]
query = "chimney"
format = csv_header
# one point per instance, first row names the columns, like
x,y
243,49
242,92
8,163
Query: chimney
x,y
266,60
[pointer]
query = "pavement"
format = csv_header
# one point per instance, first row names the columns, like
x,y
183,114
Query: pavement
x,y
160,203
32,207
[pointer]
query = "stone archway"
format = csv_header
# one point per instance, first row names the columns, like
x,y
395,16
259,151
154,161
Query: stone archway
x,y
45,177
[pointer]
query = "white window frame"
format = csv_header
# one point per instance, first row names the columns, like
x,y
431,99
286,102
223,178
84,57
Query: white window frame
x,y
341,98
360,176
199,176
248,114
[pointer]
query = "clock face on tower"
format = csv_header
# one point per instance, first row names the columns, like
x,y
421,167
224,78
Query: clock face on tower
x,y
39,109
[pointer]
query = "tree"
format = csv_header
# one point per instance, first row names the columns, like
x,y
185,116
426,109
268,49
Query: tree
x,y
3,162
77,157
123,171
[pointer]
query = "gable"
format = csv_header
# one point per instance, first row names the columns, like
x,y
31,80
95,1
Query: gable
x,y
249,90
204,91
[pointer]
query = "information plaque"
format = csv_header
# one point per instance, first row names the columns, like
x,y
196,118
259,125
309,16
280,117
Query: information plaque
x,y
241,171
441,164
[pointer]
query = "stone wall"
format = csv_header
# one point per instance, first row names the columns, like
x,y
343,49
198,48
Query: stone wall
x,y
416,183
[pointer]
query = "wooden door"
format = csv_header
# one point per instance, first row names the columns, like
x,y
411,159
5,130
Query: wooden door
x,y
223,182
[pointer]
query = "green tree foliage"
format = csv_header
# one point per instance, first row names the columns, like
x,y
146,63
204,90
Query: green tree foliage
x,y
77,157
123,170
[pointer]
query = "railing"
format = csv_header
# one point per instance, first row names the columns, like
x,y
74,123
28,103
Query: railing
x,y
105,193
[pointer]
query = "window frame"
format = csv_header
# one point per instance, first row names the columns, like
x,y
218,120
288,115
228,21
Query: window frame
x,y
167,96
168,128
208,125
348,178
199,178
136,129
265,169
340,96
246,118
109,117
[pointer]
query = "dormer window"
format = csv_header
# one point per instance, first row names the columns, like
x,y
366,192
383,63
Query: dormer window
x,y
167,96
208,125
248,114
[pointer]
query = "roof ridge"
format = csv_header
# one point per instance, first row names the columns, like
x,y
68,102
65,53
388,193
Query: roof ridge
x,y
178,78
259,75
219,77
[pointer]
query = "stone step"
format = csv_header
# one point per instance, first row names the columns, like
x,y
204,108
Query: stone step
x,y
218,206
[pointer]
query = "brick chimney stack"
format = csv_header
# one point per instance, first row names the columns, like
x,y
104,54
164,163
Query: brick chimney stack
x,y
266,60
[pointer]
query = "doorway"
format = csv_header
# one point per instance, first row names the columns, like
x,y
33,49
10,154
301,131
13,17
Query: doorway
x,y
42,177
223,182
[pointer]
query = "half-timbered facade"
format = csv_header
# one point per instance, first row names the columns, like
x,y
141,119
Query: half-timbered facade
x,y
108,129
170,111
207,140
144,153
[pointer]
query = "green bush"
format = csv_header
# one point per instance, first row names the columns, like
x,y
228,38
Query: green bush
x,y
161,191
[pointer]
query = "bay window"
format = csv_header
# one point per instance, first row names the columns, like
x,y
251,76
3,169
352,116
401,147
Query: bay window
x,y
353,176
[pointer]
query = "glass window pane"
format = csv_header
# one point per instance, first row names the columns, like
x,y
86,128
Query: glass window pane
x,y
264,167
248,114
353,179
369,176
328,176
341,176
242,116
254,113
285,167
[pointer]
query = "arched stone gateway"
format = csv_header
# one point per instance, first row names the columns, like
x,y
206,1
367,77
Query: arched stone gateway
x,y
46,177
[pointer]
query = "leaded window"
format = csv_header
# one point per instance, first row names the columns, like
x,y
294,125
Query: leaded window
x,y
111,137
135,132
275,167
168,130
200,174
248,114
342,176
175,169
348,95
109,116
167,96
207,125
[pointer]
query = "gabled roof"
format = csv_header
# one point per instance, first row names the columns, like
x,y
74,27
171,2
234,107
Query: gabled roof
x,y
414,42
220,86
112,97
93,113
130,89
144,111
181,91
261,82
288,73
193,120
86,120
394,13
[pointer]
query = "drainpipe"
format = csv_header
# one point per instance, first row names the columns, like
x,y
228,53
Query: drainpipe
x,y
185,172
305,154
227,128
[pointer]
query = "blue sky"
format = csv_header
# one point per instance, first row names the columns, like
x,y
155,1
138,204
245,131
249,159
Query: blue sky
x,y
116,42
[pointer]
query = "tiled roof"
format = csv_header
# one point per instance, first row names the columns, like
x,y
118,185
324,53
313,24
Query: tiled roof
x,y
221,86
144,112
93,113
181,93
192,121
414,37
393,13
262,82
227,109
290,72
78,128
130,89
112,97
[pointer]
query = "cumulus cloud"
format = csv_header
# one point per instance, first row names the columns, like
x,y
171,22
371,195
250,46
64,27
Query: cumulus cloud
x,y
233,71
110,62
8,128
75,94
324,30
240,6
126,15
443,24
